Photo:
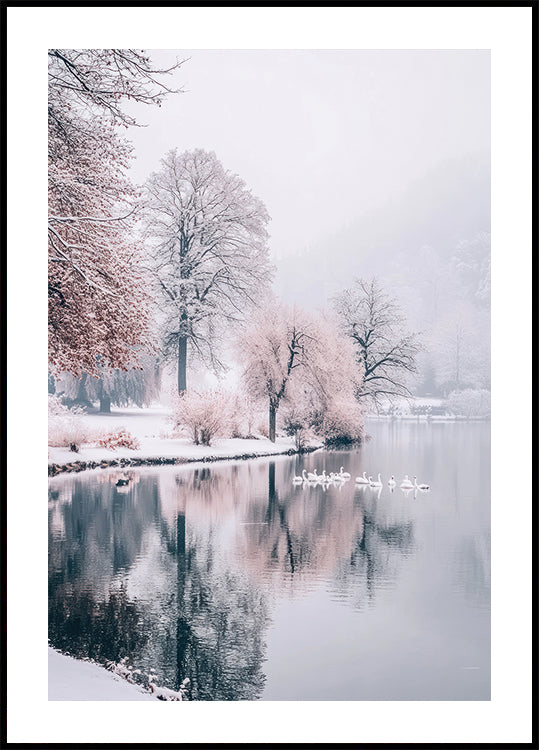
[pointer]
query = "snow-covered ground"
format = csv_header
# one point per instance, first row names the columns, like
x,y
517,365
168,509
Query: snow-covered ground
x,y
75,680
150,426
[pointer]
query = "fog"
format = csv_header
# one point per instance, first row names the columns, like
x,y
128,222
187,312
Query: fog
x,y
370,162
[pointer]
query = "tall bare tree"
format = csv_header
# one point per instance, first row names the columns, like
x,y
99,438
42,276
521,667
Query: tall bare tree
x,y
208,240
386,350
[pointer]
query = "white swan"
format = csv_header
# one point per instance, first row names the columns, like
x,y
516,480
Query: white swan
x,y
406,484
344,474
313,476
391,482
422,487
376,483
301,479
363,479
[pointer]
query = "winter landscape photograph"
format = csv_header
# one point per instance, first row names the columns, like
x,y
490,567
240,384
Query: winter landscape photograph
x,y
269,391
269,375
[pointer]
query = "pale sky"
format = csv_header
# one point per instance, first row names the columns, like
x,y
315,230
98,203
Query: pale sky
x,y
320,136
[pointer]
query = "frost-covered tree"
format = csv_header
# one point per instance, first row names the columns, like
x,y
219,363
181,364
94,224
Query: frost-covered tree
x,y
471,266
385,349
272,348
288,353
98,302
461,347
208,239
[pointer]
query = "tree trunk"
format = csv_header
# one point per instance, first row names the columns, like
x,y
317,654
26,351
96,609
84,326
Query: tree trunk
x,y
272,415
81,389
183,629
104,404
182,364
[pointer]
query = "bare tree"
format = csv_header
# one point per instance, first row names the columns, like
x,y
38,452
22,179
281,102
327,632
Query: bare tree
x,y
460,344
102,80
385,349
208,240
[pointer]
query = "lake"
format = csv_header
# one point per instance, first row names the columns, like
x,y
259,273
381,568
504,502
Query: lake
x,y
254,588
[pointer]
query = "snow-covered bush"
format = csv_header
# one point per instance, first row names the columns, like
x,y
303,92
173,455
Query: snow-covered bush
x,y
296,424
118,439
146,681
244,413
340,422
205,414
469,403
66,427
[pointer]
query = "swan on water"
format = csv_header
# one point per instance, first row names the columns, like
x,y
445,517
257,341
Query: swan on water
x,y
344,474
376,483
423,487
391,481
313,476
363,479
302,478
406,484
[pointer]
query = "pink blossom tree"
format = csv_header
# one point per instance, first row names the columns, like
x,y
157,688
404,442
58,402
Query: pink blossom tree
x,y
98,301
292,355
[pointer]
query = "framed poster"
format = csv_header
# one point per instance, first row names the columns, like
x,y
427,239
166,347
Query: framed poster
x,y
272,492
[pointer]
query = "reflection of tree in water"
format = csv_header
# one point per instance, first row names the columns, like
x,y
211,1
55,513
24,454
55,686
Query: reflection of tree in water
x,y
296,533
471,567
376,556
103,530
100,536
220,624
107,630
121,584
176,573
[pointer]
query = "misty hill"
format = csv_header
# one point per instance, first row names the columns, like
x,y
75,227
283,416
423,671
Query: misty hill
x,y
449,204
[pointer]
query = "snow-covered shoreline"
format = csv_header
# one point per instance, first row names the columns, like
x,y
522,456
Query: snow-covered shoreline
x,y
149,427
76,680
167,451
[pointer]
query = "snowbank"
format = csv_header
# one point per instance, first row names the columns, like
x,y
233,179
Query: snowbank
x,y
74,680
149,426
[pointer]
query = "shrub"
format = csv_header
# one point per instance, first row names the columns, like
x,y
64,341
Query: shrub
x,y
243,415
469,403
296,423
341,422
66,427
118,439
205,414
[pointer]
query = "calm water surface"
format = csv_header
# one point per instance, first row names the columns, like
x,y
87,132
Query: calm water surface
x,y
257,589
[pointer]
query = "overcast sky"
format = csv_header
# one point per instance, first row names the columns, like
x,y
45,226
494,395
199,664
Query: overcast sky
x,y
321,136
